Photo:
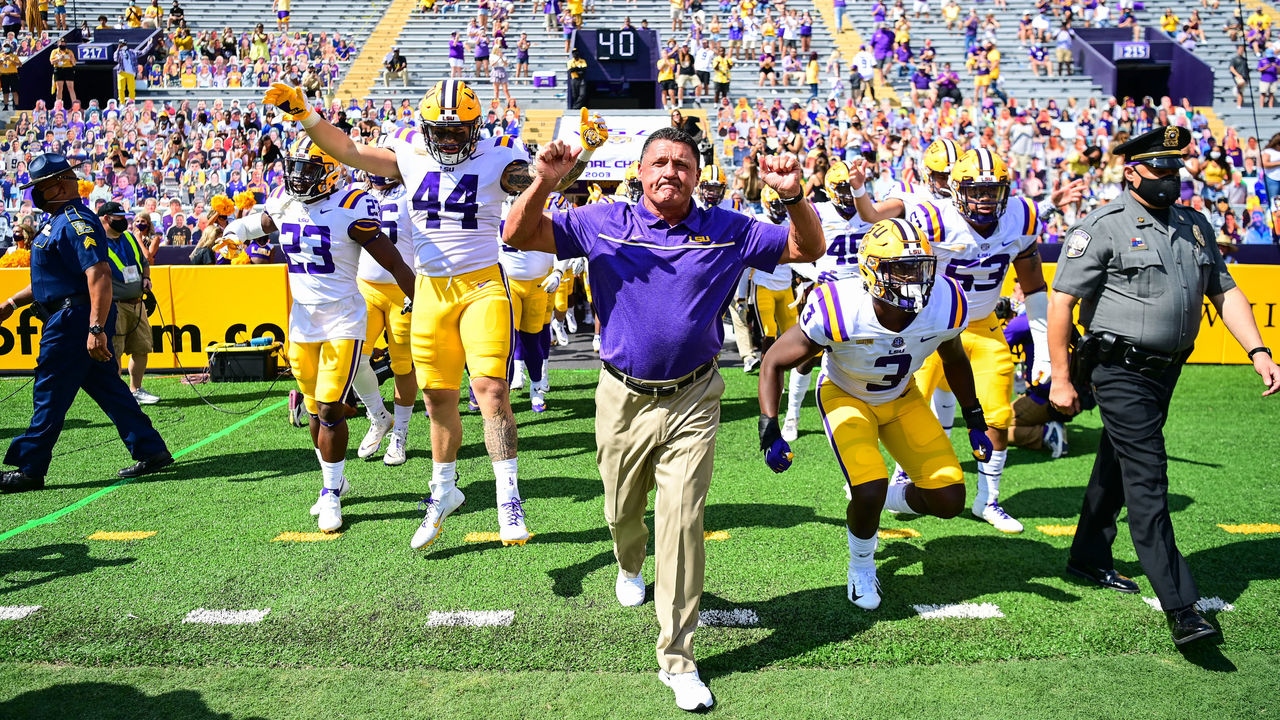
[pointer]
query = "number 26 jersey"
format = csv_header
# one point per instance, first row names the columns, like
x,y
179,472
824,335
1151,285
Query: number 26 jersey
x,y
456,209
863,358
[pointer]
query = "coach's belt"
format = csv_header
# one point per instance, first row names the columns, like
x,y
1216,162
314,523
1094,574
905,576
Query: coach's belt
x,y
661,389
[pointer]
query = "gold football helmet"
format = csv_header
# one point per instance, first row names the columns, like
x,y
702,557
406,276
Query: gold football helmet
x,y
631,181
897,264
980,186
449,115
938,159
711,186
773,206
839,190
309,172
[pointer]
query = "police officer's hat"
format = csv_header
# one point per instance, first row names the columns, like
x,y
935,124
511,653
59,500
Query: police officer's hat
x,y
47,165
1158,148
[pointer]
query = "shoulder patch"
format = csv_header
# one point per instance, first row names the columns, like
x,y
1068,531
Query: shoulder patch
x,y
1077,243
82,228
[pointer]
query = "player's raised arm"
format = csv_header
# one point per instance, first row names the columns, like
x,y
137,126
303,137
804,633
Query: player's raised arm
x,y
527,227
519,175
375,160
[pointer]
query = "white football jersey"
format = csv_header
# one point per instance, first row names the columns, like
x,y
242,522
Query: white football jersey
x,y
393,204
863,358
912,194
842,235
780,278
523,265
456,209
323,261
978,263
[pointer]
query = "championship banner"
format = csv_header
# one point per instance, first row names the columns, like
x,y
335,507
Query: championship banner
x,y
196,306
627,134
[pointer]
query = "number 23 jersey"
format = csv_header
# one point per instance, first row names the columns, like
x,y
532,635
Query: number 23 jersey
x,y
863,358
456,209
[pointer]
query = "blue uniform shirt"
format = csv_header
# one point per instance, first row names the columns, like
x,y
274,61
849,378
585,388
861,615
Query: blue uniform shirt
x,y
76,242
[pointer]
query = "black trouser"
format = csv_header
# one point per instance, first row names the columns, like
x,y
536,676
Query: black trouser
x,y
578,92
1131,470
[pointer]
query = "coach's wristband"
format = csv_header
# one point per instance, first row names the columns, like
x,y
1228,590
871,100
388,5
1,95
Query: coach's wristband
x,y
791,200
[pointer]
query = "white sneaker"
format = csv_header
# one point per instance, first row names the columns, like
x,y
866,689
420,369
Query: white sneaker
x,y
864,586
544,385
595,343
379,426
691,693
571,323
629,590
343,489
329,512
395,454
437,511
791,429
749,364
998,518
536,400
145,398
511,527
1055,438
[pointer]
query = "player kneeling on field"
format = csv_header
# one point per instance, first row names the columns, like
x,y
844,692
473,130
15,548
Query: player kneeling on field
x,y
876,331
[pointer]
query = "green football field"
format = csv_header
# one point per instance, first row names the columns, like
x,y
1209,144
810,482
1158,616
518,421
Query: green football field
x,y
363,626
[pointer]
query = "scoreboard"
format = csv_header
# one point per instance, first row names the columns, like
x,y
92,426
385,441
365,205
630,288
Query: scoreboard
x,y
622,67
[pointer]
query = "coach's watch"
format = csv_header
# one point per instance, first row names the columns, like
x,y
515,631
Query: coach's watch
x,y
96,330
1260,349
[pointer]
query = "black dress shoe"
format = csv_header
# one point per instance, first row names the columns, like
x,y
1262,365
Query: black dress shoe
x,y
16,481
150,465
1106,577
1188,625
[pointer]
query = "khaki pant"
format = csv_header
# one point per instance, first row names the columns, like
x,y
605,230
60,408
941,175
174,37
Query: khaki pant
x,y
742,330
133,330
669,443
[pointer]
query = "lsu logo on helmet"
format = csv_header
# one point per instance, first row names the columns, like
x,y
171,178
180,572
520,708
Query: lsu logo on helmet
x,y
839,189
980,186
938,159
897,264
449,115
773,204
309,172
711,185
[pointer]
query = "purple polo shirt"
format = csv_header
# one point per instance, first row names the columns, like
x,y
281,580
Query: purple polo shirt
x,y
659,290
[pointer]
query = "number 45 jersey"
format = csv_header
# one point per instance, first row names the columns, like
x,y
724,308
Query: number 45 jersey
x,y
456,209
863,358
978,263
323,259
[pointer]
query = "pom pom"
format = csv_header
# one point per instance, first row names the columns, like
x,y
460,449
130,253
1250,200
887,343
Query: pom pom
x,y
222,205
245,200
19,258
85,187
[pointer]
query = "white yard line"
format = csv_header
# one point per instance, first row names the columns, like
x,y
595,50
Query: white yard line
x,y
959,610
1209,604
470,618
16,612
225,617
737,617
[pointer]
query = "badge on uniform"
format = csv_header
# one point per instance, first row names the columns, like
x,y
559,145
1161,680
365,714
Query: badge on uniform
x,y
89,242
1077,243
1137,244
81,227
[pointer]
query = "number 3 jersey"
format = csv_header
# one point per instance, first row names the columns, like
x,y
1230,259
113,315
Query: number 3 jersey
x,y
393,205
323,259
978,263
456,209
863,358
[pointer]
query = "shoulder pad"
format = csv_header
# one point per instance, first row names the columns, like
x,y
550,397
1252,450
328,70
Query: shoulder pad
x,y
350,197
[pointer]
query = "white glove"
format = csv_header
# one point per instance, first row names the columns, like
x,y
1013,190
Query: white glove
x,y
578,265
1037,305
551,282
407,307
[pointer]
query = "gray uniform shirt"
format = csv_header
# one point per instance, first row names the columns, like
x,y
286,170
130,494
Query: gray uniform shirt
x,y
1140,278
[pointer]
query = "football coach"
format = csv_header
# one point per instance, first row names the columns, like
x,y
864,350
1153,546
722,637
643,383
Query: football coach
x,y
662,271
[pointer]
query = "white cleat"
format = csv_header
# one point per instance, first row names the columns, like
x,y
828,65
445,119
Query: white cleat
x,y
691,693
511,527
343,489
595,344
629,590
379,426
536,399
329,515
395,454
750,363
791,429
864,586
1055,438
558,333
437,511
998,518
571,323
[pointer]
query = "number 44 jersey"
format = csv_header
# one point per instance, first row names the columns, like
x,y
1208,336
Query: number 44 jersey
x,y
456,209
323,258
863,358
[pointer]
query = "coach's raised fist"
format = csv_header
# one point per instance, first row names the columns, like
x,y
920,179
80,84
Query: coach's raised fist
x,y
782,173
289,99
593,131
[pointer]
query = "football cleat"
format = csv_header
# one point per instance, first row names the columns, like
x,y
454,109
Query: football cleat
x,y
328,511
595,344
437,510
472,405
791,429
536,399
379,426
691,693
517,379
864,586
511,527
297,409
395,454
1055,438
750,363
629,590
998,518
343,489
571,322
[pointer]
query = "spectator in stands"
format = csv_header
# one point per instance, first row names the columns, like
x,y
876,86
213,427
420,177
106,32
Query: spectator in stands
x,y
457,55
811,75
1271,167
126,71
721,73
133,15
1268,71
1063,53
667,80
152,15
177,16
10,18
481,52
9,64
283,9
522,56
394,66
64,73
498,75
767,72
577,80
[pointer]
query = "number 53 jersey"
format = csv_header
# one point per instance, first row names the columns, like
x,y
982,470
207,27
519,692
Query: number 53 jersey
x,y
323,259
456,209
863,358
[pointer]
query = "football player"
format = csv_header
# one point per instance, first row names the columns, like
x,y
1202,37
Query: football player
x,y
876,330
530,278
463,315
630,190
387,310
775,306
323,224
711,191
977,236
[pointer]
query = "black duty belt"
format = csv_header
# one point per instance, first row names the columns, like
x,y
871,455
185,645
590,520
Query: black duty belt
x,y
1114,350
659,389
46,310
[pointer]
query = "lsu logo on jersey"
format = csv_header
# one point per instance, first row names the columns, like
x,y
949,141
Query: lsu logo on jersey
x,y
700,239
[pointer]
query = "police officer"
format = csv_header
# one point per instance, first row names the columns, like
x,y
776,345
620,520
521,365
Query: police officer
x,y
130,280
71,287
1140,267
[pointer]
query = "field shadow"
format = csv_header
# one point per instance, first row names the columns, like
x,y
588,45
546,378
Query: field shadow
x,y
232,467
48,563
1227,570
1065,502
109,701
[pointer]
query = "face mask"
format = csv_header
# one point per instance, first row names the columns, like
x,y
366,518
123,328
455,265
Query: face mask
x,y
119,225
1159,192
